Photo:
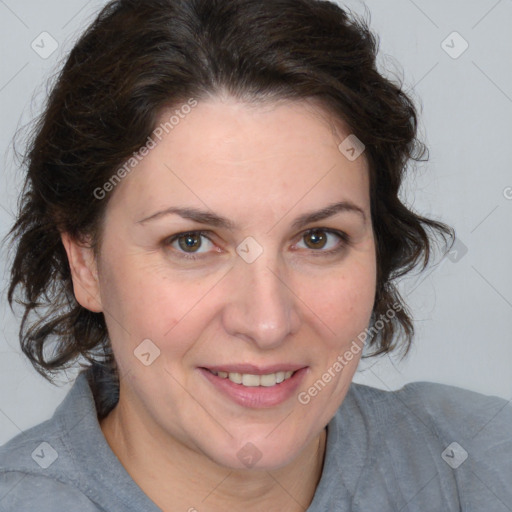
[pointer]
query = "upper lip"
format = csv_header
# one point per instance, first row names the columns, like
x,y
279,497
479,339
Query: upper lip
x,y
255,370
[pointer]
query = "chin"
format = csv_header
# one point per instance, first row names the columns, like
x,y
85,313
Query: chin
x,y
257,453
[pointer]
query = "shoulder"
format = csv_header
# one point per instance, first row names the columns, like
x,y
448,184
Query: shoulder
x,y
425,447
457,440
21,491
38,472
442,407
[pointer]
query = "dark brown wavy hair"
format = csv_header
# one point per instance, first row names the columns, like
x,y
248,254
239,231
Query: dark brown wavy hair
x,y
140,57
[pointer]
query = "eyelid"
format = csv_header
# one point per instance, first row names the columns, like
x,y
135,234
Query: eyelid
x,y
202,233
345,240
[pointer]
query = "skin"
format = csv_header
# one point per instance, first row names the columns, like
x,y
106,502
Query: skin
x,y
260,166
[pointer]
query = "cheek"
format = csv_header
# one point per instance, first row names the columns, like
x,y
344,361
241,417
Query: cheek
x,y
139,293
143,303
344,300
134,301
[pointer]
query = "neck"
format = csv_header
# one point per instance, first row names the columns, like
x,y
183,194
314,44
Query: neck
x,y
175,477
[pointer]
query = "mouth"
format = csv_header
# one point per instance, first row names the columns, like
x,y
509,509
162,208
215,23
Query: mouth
x,y
251,380
255,387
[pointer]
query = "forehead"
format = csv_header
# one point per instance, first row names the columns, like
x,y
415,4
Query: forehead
x,y
223,152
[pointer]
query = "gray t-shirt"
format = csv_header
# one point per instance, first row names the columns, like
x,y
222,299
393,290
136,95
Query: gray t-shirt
x,y
427,447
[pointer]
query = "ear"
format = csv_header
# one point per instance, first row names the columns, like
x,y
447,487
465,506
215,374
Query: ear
x,y
84,272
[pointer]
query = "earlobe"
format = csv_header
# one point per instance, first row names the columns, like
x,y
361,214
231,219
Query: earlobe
x,y
84,272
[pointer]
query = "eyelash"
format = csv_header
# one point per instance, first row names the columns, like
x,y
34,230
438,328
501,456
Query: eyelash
x,y
344,242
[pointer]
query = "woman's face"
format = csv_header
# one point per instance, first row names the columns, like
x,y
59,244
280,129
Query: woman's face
x,y
234,280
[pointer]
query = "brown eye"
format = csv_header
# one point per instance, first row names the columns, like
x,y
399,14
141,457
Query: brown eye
x,y
316,239
321,241
190,242
190,245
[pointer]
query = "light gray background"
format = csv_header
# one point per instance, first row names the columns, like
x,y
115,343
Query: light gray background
x,y
463,306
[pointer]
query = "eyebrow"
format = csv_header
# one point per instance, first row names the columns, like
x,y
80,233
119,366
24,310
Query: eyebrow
x,y
212,219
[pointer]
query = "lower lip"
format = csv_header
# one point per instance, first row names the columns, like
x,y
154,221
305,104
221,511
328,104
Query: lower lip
x,y
258,397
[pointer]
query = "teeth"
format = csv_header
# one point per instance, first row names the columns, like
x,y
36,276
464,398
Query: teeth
x,y
267,380
235,377
252,381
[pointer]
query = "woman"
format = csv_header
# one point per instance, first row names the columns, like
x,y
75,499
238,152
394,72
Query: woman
x,y
211,224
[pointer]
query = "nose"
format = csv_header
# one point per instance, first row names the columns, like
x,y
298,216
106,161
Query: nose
x,y
262,308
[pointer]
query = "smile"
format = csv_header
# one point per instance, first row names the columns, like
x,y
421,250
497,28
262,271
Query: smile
x,y
254,386
250,380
